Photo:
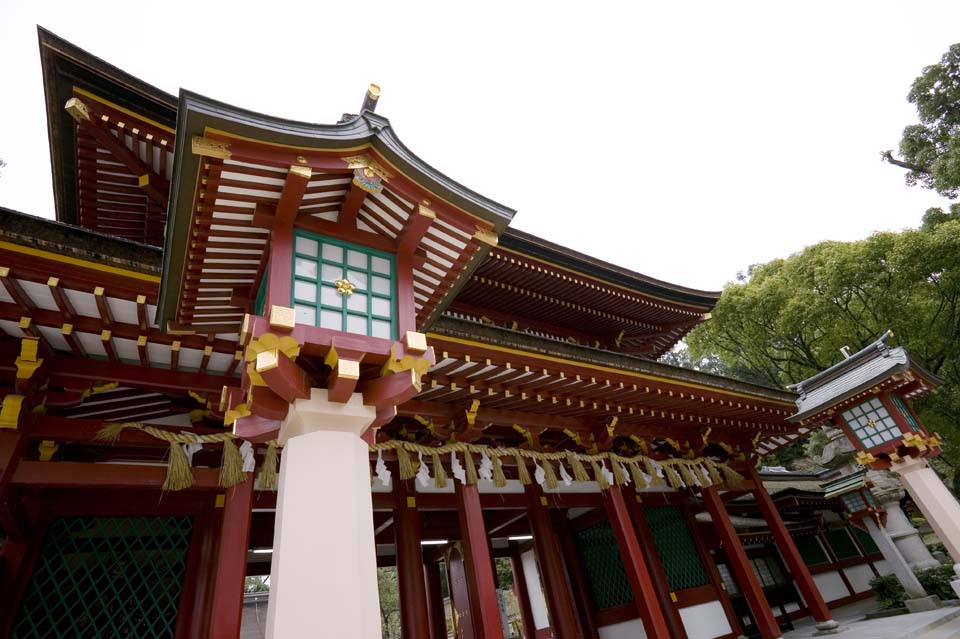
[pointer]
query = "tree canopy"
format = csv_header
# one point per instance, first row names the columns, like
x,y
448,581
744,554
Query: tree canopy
x,y
930,150
788,319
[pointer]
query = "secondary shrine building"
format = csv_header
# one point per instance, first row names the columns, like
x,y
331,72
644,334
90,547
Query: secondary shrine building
x,y
252,346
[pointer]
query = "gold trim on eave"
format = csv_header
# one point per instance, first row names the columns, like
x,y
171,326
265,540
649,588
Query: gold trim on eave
x,y
121,109
75,261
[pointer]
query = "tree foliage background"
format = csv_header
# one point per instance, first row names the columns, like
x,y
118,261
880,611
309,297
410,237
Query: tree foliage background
x,y
787,319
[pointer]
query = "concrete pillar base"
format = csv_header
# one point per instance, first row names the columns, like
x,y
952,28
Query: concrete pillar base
x,y
828,627
923,604
955,584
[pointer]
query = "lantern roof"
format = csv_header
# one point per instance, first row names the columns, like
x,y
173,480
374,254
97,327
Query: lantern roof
x,y
861,371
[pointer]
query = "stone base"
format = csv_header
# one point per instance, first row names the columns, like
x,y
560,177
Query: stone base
x,y
828,627
923,604
955,584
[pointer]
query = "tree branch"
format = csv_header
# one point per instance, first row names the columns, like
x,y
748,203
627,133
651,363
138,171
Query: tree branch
x,y
887,156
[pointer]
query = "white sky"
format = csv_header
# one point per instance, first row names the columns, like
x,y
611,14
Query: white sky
x,y
684,140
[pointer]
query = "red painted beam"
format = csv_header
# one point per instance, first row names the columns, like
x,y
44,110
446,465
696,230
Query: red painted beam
x,y
119,476
74,374
231,567
438,619
520,589
284,376
391,390
644,591
749,585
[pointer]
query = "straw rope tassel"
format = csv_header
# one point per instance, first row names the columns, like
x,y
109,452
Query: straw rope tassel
x,y
655,478
579,472
639,481
231,467
499,479
471,468
522,471
267,477
599,476
439,472
549,475
731,476
686,474
619,474
407,470
179,474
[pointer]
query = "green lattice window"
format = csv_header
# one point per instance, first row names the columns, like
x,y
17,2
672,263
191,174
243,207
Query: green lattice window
x,y
609,586
842,544
106,577
810,550
872,423
676,547
902,407
343,286
869,545
767,571
854,501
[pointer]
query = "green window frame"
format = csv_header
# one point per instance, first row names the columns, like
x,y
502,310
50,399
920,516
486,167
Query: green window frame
x,y
319,261
869,545
872,423
842,543
606,575
811,550
902,407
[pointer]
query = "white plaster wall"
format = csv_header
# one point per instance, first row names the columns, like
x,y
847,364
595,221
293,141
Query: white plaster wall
x,y
538,603
831,586
859,577
632,629
705,621
883,567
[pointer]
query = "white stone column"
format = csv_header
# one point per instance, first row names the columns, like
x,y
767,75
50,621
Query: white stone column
x,y
896,561
936,503
323,580
888,491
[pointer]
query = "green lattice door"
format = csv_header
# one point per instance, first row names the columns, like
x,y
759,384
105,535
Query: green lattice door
x,y
107,578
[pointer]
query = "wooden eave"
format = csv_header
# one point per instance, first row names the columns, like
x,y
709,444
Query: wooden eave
x,y
217,198
537,287
88,300
519,378
67,70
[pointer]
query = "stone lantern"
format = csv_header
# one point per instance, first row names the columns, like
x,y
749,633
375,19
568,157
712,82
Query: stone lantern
x,y
867,396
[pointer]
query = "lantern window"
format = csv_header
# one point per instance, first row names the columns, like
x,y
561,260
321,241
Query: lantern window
x,y
344,287
872,423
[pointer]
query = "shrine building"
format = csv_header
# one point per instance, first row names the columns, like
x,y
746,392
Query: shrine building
x,y
252,346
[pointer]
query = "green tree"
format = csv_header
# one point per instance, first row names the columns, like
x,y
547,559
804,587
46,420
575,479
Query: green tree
x,y
389,602
930,150
787,319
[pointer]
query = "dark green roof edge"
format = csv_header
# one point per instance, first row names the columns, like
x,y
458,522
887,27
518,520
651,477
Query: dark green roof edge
x,y
496,335
539,248
74,241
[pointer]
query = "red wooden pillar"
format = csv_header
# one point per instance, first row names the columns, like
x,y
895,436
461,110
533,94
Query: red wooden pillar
x,y
644,592
482,586
556,582
231,567
578,576
414,618
655,565
752,590
523,595
798,569
712,571
438,617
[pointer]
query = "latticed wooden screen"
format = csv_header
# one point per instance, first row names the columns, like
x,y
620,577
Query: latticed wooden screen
x,y
841,543
676,547
810,550
107,577
600,554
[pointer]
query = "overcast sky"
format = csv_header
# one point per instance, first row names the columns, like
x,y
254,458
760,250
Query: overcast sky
x,y
684,140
